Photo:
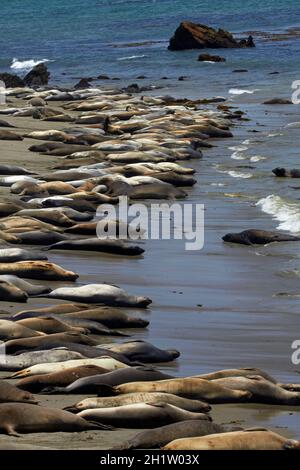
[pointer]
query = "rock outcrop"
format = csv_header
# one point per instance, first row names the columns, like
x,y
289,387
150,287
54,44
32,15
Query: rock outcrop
x,y
197,36
38,76
11,80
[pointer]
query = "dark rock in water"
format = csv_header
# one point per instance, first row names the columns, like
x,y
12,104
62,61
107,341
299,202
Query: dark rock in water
x,y
11,80
273,73
197,36
39,75
211,58
133,88
83,83
240,71
182,78
164,78
141,77
103,77
278,101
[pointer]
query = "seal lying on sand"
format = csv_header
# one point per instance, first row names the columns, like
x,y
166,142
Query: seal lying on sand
x,y
63,378
50,325
255,439
18,418
141,415
30,289
110,317
10,293
28,359
12,255
142,351
258,237
38,270
130,398
117,247
11,330
99,293
155,438
10,393
190,388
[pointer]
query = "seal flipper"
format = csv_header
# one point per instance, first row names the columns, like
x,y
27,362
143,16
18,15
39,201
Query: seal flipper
x,y
11,431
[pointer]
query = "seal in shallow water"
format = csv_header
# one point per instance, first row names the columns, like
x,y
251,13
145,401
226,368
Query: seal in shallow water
x,y
258,237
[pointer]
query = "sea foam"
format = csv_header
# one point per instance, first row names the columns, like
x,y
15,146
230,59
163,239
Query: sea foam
x,y
286,212
26,65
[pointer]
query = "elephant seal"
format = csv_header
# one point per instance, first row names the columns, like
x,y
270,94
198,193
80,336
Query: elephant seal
x,y
12,255
283,172
104,361
10,293
18,418
110,317
93,327
258,237
116,247
11,330
50,325
242,372
10,393
141,415
262,391
99,293
130,398
8,135
39,237
52,216
42,270
30,289
189,388
28,359
103,384
23,344
13,170
53,309
251,439
142,351
37,383
155,438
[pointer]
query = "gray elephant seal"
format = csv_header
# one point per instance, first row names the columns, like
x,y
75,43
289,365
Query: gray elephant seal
x,y
8,135
18,418
141,415
155,438
283,172
99,293
30,289
42,270
39,237
237,440
10,393
23,344
130,398
29,359
116,247
142,351
258,237
63,378
110,317
13,170
11,255
50,325
189,388
103,383
261,390
10,293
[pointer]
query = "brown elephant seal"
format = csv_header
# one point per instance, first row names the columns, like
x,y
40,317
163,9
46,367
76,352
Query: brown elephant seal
x,y
110,317
50,325
63,378
11,330
130,398
116,247
10,293
8,135
55,309
23,344
141,415
38,270
237,440
99,293
30,289
51,216
189,387
10,393
18,418
12,255
142,351
262,390
39,237
155,438
258,237
283,173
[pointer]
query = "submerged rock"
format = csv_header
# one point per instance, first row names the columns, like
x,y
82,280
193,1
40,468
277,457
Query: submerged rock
x,y
197,36
211,58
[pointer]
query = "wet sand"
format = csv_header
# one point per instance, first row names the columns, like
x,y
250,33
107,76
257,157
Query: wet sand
x,y
240,322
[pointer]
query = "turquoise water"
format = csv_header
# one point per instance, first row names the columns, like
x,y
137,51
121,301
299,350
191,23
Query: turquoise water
x,y
90,37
